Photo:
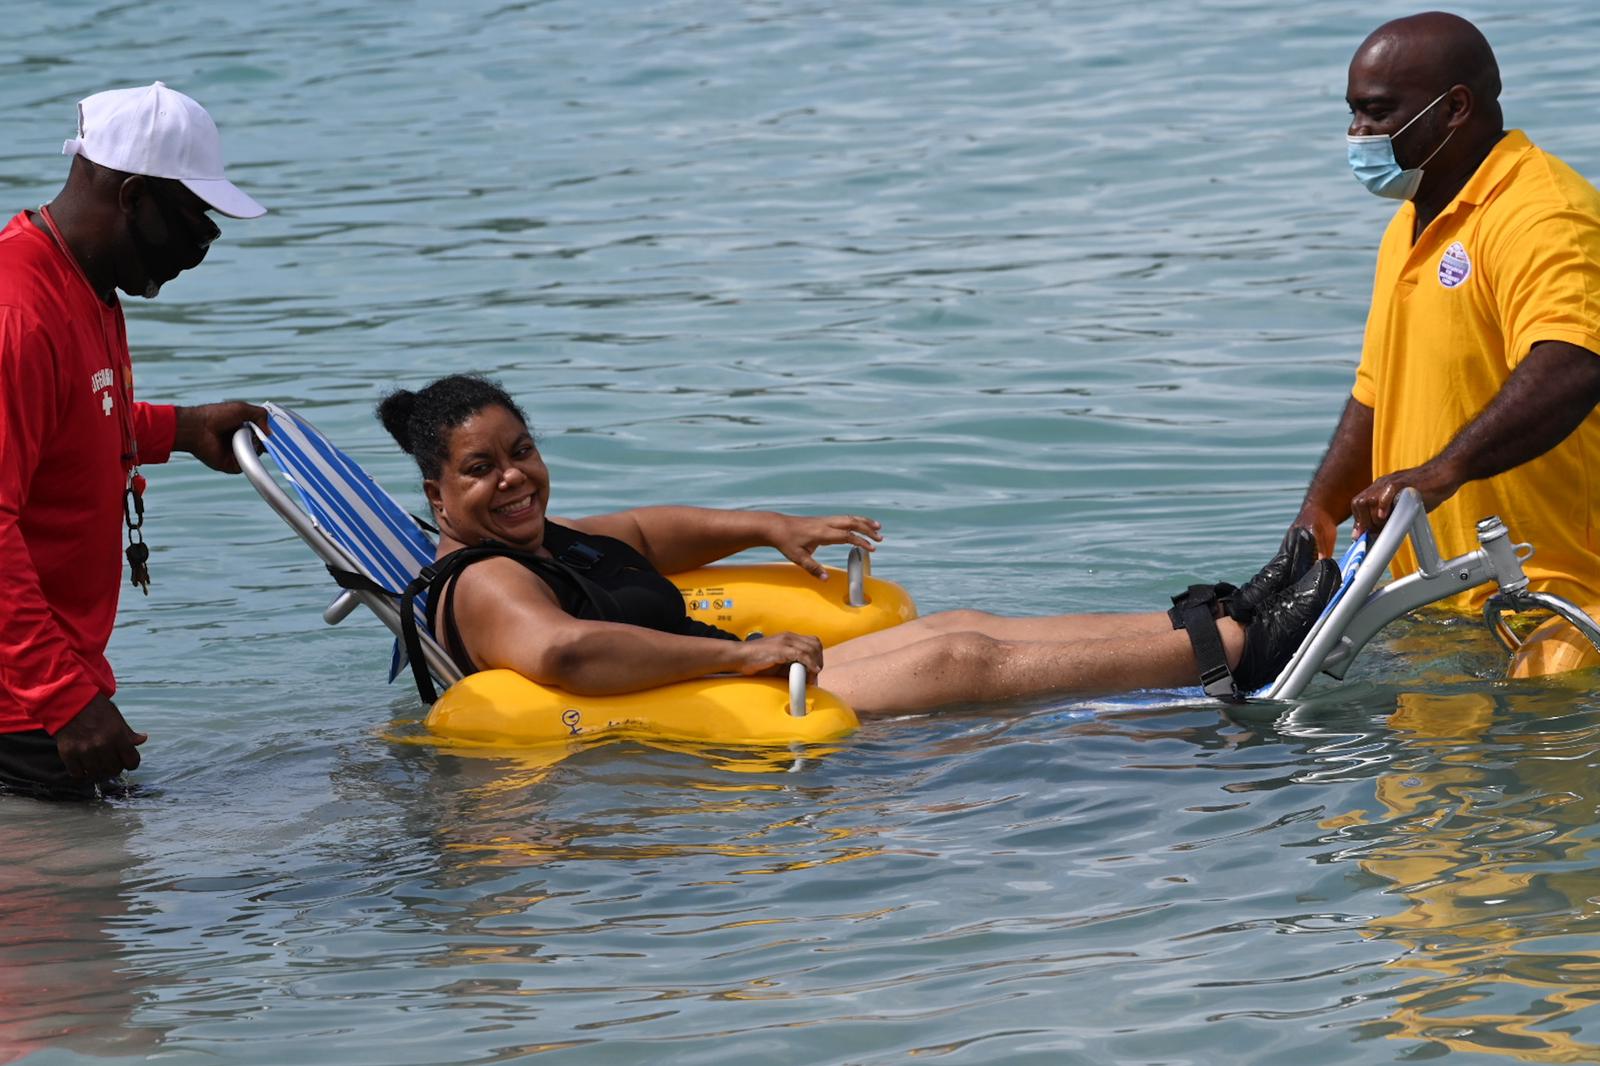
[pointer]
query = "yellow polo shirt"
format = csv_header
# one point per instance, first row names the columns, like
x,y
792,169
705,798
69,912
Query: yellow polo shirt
x,y
1513,260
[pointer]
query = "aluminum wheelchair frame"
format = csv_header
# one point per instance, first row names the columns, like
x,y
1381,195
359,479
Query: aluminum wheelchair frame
x,y
1363,609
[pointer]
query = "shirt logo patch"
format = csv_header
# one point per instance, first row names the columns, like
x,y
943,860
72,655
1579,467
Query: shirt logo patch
x,y
1454,266
100,381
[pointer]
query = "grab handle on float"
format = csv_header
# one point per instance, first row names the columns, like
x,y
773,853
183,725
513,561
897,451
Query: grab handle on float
x,y
797,709
797,690
858,569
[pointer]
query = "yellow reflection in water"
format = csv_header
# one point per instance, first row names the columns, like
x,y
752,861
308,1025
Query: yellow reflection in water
x,y
527,765
500,820
1488,841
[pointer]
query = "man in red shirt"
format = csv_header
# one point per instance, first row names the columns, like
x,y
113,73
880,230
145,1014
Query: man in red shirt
x,y
146,170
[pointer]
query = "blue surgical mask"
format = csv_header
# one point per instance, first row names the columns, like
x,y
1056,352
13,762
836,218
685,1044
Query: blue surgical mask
x,y
1372,159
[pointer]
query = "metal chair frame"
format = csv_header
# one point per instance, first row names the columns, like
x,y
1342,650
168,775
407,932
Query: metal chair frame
x,y
1364,609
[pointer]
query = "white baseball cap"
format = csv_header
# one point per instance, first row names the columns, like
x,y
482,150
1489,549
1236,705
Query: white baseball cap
x,y
160,133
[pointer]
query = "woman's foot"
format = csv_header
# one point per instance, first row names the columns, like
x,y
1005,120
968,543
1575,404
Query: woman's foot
x,y
1294,558
1280,623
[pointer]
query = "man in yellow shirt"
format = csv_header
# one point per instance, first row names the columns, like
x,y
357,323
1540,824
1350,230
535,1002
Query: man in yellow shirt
x,y
1479,371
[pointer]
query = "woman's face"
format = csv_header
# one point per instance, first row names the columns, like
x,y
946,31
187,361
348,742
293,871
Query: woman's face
x,y
493,484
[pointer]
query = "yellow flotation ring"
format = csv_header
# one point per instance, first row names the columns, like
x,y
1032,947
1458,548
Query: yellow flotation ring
x,y
773,597
503,708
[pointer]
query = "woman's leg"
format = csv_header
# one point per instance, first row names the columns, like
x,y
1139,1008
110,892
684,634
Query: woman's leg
x,y
1058,628
1295,557
973,667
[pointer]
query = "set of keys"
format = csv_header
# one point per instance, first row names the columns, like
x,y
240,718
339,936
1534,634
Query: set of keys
x,y
138,551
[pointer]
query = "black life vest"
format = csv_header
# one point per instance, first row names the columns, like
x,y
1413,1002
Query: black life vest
x,y
587,573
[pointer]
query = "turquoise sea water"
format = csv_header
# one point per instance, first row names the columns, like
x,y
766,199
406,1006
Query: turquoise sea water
x,y
1067,294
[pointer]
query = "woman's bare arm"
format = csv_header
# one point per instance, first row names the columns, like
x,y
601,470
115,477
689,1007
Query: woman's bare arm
x,y
675,539
509,619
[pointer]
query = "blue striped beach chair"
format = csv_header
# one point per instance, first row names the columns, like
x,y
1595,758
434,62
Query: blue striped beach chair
x,y
349,522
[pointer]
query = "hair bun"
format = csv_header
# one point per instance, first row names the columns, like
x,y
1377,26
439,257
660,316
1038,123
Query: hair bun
x,y
421,422
394,411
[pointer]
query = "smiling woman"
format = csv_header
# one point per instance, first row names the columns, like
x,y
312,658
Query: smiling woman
x,y
582,605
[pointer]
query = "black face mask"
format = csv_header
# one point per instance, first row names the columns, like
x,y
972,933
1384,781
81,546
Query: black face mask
x,y
184,248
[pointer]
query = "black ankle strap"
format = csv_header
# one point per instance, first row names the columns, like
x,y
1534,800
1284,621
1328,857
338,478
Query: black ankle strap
x,y
1195,612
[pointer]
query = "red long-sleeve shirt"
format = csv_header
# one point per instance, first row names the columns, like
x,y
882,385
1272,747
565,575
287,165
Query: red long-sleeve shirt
x,y
63,367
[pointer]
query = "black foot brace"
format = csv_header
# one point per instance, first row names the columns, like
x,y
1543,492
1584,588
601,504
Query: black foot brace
x,y
1195,612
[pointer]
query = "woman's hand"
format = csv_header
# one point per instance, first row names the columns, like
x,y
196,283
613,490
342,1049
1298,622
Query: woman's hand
x,y
772,655
797,536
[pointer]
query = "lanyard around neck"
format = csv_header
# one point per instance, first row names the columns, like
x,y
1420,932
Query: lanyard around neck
x,y
130,451
133,506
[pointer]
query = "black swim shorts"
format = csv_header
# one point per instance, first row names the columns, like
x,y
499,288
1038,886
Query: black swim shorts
x,y
30,765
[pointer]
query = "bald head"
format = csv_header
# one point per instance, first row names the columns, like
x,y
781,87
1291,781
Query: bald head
x,y
1436,50
1430,85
